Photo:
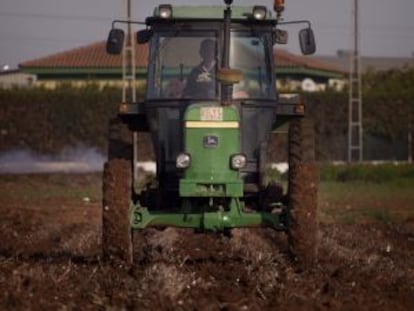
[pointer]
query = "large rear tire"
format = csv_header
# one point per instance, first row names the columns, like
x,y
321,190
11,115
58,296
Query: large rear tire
x,y
117,243
302,194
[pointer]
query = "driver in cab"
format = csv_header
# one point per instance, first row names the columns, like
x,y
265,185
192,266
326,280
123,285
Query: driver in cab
x,y
201,82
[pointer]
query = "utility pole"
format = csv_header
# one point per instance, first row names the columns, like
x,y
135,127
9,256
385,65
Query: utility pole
x,y
128,62
355,130
129,93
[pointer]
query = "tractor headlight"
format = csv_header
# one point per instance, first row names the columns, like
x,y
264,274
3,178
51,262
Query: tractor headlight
x,y
165,10
183,160
259,12
238,161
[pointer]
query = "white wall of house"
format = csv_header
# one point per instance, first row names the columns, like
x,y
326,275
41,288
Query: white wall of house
x,y
16,78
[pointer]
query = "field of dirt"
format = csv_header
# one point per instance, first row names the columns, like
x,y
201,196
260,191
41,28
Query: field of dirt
x,y
50,229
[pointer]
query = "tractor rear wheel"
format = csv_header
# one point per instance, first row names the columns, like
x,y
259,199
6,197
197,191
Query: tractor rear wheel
x,y
302,193
117,243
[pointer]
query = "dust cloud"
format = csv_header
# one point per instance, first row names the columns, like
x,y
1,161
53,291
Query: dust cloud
x,y
79,159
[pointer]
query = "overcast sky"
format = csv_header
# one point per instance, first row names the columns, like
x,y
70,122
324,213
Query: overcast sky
x,y
35,28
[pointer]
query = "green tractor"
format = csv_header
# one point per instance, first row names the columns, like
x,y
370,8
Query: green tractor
x,y
210,107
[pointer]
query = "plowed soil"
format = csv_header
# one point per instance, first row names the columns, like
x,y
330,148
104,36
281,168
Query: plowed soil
x,y
50,259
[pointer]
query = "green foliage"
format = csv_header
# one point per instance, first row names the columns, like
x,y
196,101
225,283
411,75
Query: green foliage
x,y
46,120
388,111
361,202
388,101
379,173
379,215
272,174
329,112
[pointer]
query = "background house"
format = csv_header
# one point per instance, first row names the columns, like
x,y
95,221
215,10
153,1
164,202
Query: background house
x,y
14,77
342,61
91,63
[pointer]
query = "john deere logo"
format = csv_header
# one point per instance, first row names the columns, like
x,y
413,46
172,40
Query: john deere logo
x,y
210,141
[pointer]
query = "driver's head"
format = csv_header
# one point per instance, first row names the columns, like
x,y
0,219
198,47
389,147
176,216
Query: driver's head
x,y
208,50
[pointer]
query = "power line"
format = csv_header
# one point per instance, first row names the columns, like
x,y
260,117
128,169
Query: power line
x,y
60,17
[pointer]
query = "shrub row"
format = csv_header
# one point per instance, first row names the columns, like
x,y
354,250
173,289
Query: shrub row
x,y
47,121
377,173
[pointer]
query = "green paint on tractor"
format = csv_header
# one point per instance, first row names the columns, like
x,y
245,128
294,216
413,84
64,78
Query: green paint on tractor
x,y
211,137
217,221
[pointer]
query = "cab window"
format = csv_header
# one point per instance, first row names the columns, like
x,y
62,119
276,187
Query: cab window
x,y
174,61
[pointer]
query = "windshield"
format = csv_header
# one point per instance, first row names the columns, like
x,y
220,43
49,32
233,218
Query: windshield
x,y
184,65
249,53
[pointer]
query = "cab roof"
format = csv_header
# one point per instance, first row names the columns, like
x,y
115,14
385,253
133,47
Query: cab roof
x,y
211,12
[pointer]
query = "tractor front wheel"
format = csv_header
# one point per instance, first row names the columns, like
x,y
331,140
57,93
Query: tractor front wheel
x,y
117,243
116,228
302,194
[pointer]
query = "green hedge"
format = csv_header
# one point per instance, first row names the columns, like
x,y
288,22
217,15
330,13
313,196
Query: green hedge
x,y
46,121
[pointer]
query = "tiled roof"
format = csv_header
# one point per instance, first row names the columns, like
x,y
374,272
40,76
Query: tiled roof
x,y
89,56
95,56
286,59
376,63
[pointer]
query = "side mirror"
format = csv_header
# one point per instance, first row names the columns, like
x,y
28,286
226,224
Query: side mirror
x,y
307,41
280,36
115,41
143,36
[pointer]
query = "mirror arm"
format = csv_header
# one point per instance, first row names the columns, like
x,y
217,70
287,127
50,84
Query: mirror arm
x,y
119,21
296,22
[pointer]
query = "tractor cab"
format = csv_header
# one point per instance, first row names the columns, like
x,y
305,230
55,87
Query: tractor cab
x,y
189,55
218,57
